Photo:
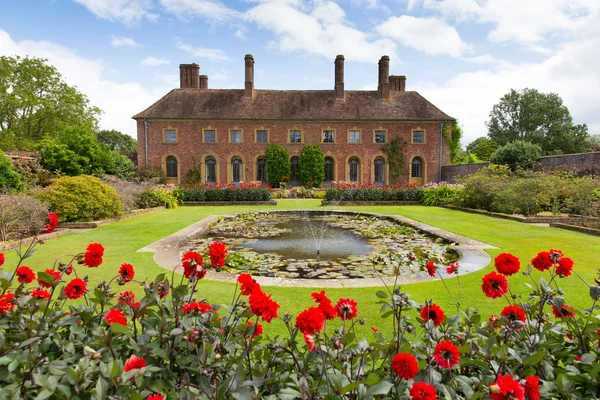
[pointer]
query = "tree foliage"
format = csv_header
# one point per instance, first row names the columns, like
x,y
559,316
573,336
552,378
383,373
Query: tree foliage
x,y
518,155
453,140
10,180
36,103
117,141
312,166
537,118
482,148
278,164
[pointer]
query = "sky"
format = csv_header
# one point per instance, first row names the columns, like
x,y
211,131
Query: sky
x,y
462,55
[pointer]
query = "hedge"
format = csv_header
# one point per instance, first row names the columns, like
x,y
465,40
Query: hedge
x,y
222,192
370,192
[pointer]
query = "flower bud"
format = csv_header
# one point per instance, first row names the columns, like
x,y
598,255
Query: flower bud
x,y
217,356
494,388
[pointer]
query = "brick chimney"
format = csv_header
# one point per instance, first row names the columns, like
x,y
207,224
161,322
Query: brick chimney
x,y
339,77
397,83
189,76
249,84
203,81
384,78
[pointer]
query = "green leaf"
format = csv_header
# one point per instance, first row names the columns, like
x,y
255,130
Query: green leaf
x,y
101,389
176,332
535,358
349,388
381,294
588,358
118,328
382,387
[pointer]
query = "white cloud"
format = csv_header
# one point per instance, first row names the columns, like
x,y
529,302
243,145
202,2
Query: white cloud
x,y
240,34
126,11
429,35
203,52
211,10
154,61
172,80
120,41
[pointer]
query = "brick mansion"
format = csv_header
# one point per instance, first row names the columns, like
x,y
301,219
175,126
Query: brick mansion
x,y
225,132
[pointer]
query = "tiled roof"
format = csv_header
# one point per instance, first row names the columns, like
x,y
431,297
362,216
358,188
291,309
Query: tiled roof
x,y
291,104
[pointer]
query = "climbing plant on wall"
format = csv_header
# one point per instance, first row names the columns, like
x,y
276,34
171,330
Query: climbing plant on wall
x,y
395,151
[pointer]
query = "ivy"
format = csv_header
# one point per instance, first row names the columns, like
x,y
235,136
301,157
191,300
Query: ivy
x,y
395,152
453,139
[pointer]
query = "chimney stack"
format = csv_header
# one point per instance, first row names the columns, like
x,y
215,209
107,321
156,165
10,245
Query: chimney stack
x,y
339,77
189,76
384,78
203,81
249,84
397,83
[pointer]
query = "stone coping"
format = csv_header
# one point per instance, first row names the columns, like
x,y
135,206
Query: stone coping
x,y
14,244
527,220
577,228
96,224
230,203
369,203
473,257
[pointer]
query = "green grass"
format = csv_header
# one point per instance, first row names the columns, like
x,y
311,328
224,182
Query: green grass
x,y
122,239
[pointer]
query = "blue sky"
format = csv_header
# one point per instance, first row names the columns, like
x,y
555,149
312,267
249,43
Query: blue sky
x,y
462,55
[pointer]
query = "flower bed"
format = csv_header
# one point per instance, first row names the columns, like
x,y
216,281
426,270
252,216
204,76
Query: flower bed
x,y
247,192
371,192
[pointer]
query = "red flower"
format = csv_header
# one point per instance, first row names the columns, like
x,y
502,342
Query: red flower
x,y
75,289
452,269
514,313
155,397
69,269
565,265
506,388
114,316
126,298
2,259
25,274
324,305
202,307
405,366
542,261
6,302
375,330
162,290
134,362
247,284
346,309
422,391
310,321
258,329
577,358
507,264
431,268
262,305
494,285
565,312
217,253
40,294
193,264
432,312
127,272
52,222
446,354
310,341
556,255
492,320
532,386
55,274
93,255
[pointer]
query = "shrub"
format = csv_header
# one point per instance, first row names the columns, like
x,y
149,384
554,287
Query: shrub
x,y
158,197
481,187
278,164
372,192
129,191
9,179
21,215
122,166
153,174
312,166
32,173
518,155
222,192
442,192
193,175
81,198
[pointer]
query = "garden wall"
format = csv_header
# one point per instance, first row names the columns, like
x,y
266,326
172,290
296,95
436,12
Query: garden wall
x,y
369,203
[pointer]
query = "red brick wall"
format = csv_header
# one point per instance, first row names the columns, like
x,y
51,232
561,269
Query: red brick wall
x,y
189,146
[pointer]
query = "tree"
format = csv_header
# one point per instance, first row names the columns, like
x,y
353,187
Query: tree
x,y
518,155
537,118
482,148
594,142
117,141
10,180
36,104
278,164
312,166
453,140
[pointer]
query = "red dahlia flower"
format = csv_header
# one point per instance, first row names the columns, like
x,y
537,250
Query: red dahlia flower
x,y
310,341
134,362
217,253
446,354
193,265
69,269
324,305
75,289
542,262
532,386
432,312
346,309
262,305
127,272
257,331
310,321
114,316
247,284
494,285
492,320
452,269
52,222
93,255
422,391
25,274
126,298
507,264
564,268
514,313
6,302
40,294
431,268
55,274
155,397
2,259
565,312
202,307
556,255
506,388
405,366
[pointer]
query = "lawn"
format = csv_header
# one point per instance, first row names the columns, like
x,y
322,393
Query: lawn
x,y
122,239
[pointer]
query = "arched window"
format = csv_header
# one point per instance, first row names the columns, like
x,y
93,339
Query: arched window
x,y
329,169
379,170
416,168
236,170
354,169
261,169
295,171
171,166
211,169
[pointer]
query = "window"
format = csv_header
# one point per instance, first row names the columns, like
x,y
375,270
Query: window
x,y
211,169
210,136
171,164
380,136
379,169
261,169
354,136
235,136
329,172
295,170
295,136
418,137
416,168
236,170
170,136
328,136
354,169
262,136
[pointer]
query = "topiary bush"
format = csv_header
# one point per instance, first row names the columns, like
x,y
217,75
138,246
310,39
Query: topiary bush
x,y
278,164
10,180
312,166
81,198
518,155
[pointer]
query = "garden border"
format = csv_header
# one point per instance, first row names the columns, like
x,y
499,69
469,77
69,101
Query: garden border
x,y
230,203
96,224
369,203
12,245
525,220
576,228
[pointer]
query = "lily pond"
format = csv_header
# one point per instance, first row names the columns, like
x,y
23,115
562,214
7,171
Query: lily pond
x,y
317,245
